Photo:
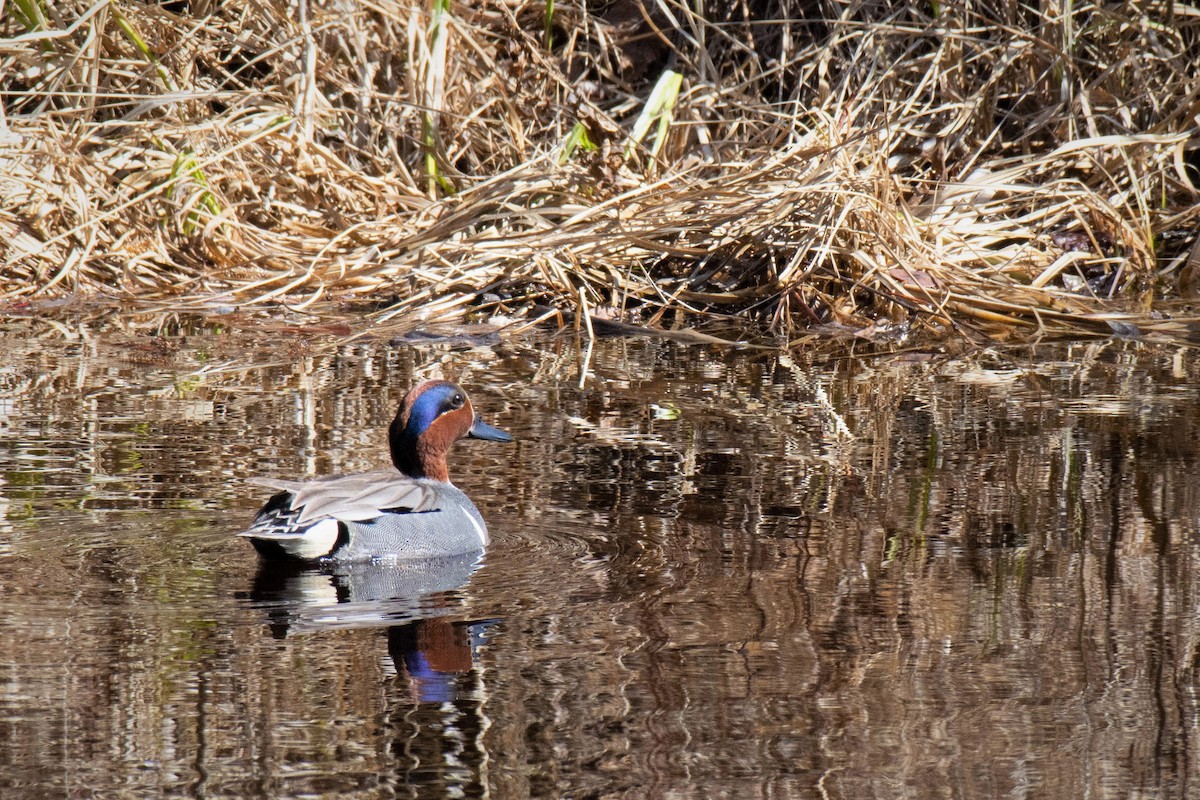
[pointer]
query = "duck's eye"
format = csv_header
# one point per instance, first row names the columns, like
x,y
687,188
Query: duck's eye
x,y
457,400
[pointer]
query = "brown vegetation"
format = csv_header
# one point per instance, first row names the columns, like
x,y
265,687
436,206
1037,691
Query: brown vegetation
x,y
873,168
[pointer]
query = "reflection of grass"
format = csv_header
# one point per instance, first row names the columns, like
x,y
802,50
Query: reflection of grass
x,y
1004,177
26,479
184,503
127,460
22,489
186,385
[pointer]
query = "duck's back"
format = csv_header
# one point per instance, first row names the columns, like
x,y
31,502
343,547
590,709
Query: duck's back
x,y
374,515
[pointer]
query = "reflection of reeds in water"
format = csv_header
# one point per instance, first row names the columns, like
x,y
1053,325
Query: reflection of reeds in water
x,y
851,165
995,581
993,563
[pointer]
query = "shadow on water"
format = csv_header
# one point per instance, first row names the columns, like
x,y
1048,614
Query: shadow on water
x,y
713,574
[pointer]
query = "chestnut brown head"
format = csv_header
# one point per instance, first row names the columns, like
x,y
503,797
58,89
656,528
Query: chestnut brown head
x,y
433,416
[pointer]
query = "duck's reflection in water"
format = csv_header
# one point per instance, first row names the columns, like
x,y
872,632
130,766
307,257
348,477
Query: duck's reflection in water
x,y
433,697
419,602
433,653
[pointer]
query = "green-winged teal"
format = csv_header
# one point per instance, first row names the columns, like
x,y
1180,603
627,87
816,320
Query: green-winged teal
x,y
411,514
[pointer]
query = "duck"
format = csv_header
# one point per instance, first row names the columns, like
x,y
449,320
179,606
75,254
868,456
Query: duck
x,y
410,513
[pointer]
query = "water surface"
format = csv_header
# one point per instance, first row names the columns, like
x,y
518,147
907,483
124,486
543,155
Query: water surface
x,y
715,572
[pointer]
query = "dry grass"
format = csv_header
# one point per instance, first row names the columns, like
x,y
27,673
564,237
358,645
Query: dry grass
x,y
870,168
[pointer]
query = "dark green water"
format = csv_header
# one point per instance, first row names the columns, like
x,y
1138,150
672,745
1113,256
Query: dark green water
x,y
715,573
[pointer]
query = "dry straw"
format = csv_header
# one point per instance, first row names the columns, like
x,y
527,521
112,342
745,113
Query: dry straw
x,y
878,169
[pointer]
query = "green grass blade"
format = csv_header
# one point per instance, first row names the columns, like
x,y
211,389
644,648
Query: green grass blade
x,y
186,165
140,44
30,14
435,81
576,139
659,106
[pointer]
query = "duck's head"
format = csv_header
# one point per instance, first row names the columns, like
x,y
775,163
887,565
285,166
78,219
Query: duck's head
x,y
434,415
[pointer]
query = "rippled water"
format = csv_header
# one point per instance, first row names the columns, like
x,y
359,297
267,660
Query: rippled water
x,y
715,573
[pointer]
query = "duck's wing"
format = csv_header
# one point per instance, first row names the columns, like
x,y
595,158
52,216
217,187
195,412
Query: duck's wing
x,y
354,498
307,519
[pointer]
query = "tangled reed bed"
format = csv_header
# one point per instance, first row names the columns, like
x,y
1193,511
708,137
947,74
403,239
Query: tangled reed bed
x,y
881,169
